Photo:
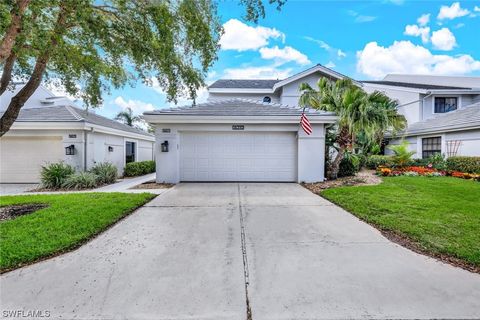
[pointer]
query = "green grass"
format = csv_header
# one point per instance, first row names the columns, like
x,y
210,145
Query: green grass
x,y
70,220
441,214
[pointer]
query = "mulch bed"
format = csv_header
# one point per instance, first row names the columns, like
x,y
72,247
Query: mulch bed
x,y
16,210
363,178
153,185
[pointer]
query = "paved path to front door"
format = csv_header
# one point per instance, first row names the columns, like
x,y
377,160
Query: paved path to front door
x,y
201,251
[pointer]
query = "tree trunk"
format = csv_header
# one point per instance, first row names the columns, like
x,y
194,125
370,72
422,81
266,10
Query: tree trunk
x,y
334,168
344,141
7,73
17,102
13,29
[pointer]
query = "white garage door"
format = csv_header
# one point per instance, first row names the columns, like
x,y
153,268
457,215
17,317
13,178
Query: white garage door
x,y
238,156
21,158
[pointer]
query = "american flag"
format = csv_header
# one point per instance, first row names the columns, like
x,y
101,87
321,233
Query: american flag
x,y
306,126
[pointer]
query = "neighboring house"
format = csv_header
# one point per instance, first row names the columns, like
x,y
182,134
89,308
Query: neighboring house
x,y
50,129
443,112
283,91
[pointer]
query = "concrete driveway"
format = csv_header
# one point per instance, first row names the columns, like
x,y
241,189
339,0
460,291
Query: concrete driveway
x,y
201,251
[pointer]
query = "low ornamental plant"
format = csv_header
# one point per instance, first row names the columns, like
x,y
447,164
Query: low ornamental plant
x,y
415,171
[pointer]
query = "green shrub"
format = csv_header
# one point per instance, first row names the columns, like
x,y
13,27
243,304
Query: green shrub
x,y
81,180
402,156
362,160
464,164
133,169
420,162
106,172
349,166
53,175
374,161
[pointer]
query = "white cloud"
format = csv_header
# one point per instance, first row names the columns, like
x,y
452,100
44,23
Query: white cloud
x,y
284,55
265,72
476,9
330,65
443,39
137,106
322,44
404,57
424,19
416,31
361,18
241,37
452,12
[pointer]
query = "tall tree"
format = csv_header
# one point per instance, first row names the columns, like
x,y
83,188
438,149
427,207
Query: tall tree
x,y
126,116
91,45
358,113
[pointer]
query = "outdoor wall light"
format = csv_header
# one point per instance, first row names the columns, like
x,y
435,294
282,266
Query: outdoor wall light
x,y
70,150
164,146
110,149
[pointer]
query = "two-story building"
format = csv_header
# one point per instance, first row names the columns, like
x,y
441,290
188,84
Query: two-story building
x,y
443,112
249,129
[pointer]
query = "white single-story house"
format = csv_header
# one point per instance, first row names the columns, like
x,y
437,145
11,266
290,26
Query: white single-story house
x,y
238,140
50,129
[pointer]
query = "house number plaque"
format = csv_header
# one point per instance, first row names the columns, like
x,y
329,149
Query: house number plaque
x,y
238,127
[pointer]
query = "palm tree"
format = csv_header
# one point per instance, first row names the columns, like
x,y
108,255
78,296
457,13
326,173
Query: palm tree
x,y
358,113
126,116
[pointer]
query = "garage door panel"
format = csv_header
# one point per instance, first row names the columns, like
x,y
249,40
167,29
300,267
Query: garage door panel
x,y
238,156
21,158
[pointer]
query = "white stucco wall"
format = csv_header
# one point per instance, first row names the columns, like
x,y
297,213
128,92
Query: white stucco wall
x,y
213,96
409,102
429,104
469,142
97,151
311,149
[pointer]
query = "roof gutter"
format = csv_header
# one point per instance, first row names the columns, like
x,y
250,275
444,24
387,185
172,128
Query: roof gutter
x,y
286,119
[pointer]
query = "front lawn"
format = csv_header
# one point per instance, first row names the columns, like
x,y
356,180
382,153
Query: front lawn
x,y
440,214
68,221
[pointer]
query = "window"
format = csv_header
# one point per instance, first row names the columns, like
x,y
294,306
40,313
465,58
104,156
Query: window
x,y
267,99
130,151
445,104
431,146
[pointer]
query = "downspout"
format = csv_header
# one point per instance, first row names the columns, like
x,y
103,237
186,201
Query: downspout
x,y
85,145
85,150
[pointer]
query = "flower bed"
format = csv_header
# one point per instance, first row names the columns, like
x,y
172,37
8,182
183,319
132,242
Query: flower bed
x,y
427,171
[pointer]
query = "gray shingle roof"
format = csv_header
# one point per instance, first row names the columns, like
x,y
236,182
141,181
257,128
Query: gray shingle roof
x,y
463,118
236,107
73,114
243,84
414,85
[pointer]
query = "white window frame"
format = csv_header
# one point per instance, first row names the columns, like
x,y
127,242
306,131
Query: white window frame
x,y
459,101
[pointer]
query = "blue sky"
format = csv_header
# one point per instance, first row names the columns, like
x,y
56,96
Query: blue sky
x,y
362,39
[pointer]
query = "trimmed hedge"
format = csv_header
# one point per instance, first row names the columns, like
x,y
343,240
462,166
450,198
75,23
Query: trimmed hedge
x,y
374,161
464,164
133,169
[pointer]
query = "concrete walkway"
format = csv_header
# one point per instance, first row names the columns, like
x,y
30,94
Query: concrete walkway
x,y
201,251
123,185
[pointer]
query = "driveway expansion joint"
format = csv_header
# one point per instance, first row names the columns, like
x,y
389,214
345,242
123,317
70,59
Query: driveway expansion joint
x,y
244,253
